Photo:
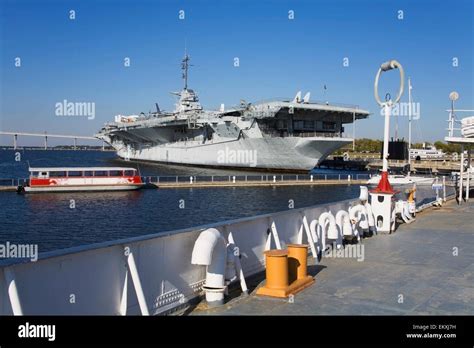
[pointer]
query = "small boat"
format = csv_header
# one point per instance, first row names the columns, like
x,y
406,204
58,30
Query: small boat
x,y
63,179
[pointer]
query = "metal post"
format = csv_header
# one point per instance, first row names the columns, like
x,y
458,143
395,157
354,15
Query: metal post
x,y
75,143
103,145
12,291
444,189
461,171
123,300
45,142
386,135
137,284
467,183
353,131
409,124
15,137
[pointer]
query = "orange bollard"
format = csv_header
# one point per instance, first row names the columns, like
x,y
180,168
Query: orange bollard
x,y
297,261
276,274
298,268
286,271
411,195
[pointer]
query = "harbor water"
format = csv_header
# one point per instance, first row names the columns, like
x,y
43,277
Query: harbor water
x,y
61,220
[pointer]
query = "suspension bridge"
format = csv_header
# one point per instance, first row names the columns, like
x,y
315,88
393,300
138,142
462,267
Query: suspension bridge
x,y
46,136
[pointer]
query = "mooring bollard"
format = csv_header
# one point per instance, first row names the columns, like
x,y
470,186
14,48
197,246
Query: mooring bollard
x,y
276,273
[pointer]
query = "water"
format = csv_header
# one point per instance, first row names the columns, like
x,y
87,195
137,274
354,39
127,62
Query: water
x,y
49,221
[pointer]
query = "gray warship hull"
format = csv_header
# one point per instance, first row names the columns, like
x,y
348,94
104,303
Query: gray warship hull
x,y
273,154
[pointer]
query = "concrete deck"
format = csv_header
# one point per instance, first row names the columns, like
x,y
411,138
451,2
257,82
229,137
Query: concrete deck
x,y
418,262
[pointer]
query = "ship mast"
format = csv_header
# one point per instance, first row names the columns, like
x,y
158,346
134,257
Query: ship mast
x,y
184,66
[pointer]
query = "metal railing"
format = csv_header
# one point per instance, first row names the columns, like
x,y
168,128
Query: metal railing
x,y
254,178
14,182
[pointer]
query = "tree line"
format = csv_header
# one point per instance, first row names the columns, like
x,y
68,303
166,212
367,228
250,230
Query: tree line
x,y
375,146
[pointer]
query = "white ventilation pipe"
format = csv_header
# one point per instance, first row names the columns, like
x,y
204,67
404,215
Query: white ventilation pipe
x,y
406,211
328,227
210,250
364,193
394,220
358,214
370,217
343,221
402,208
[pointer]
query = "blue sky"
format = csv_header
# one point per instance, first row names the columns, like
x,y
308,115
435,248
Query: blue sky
x,y
82,59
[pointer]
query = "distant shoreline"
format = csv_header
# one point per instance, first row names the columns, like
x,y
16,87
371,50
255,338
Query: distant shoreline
x,y
59,148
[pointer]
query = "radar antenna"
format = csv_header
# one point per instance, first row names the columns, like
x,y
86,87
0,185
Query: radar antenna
x,y
185,66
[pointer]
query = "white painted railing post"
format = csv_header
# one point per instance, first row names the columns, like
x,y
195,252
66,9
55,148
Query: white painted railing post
x,y
274,178
273,233
123,300
299,238
12,291
233,179
311,242
137,284
444,189
311,178
468,178
190,179
238,265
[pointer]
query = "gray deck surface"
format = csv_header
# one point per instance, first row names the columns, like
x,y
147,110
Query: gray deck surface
x,y
416,262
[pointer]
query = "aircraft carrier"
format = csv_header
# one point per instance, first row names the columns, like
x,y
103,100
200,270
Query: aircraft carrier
x,y
276,135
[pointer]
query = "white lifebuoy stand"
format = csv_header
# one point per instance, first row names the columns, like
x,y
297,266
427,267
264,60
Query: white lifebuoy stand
x,y
381,197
